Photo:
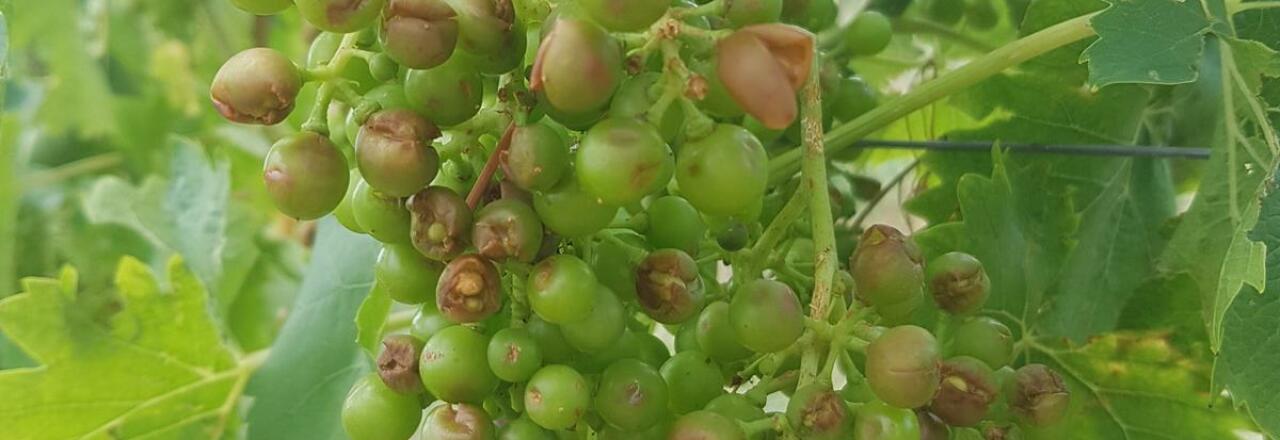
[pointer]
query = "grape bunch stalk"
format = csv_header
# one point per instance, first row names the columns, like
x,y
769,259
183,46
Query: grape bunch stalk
x,y
556,183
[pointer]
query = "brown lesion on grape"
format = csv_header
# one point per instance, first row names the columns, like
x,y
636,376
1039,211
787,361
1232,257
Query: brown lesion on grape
x,y
398,364
469,289
339,11
825,413
668,286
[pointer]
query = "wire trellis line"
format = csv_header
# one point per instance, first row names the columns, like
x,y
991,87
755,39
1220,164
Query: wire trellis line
x,y
1106,150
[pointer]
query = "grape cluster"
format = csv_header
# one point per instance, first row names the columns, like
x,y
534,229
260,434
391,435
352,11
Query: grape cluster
x,y
556,183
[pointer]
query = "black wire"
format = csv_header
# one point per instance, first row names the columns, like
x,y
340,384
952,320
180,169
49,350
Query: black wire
x,y
1064,149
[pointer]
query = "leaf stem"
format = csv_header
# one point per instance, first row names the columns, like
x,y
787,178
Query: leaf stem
x,y
785,165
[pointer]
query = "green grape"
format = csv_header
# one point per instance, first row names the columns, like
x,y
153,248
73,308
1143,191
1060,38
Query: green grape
x,y
470,289
340,16
440,222
601,327
931,427
514,355
562,289
816,412
984,338
458,422
427,322
569,211
383,68
821,15
343,212
766,316
724,173
406,275
634,100
868,34
767,136
888,269
388,96
717,101
507,229
686,337
262,7
398,364
716,334
652,350
577,68
902,366
447,95
632,395
854,99
537,157
747,12
524,429
958,283
1038,396
557,397
981,14
614,264
372,411
555,349
305,175
693,379
669,287
655,432
948,12
967,390
737,407
732,236
455,366
393,151
678,225
622,160
485,26
384,217
256,86
419,34
878,421
625,15
706,425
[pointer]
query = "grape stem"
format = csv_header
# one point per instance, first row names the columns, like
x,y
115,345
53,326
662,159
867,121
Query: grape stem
x,y
490,167
777,229
814,176
784,165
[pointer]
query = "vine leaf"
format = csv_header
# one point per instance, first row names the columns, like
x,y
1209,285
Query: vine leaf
x,y
1135,386
148,363
1147,41
299,392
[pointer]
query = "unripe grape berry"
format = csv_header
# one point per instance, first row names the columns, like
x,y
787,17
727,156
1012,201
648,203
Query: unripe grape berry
x,y
716,334
679,225
763,66
398,364
887,268
507,229
262,7
470,289
958,283
877,421
440,222
984,338
551,341
1038,396
383,68
384,217
394,152
305,175
766,316
724,173
625,15
455,366
632,395
693,379
931,427
868,34
706,425
427,322
458,422
738,407
966,392
634,99
602,326
524,428
562,289
407,276
537,158
372,411
854,98
514,355
578,67
816,412
748,12
487,27
256,86
903,366
998,432
621,160
419,34
669,287
946,12
569,211
343,212
341,16
448,94
557,397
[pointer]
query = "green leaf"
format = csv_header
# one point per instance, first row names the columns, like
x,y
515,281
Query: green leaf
x,y
1135,386
1147,41
298,393
156,367
1169,305
371,318
78,97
